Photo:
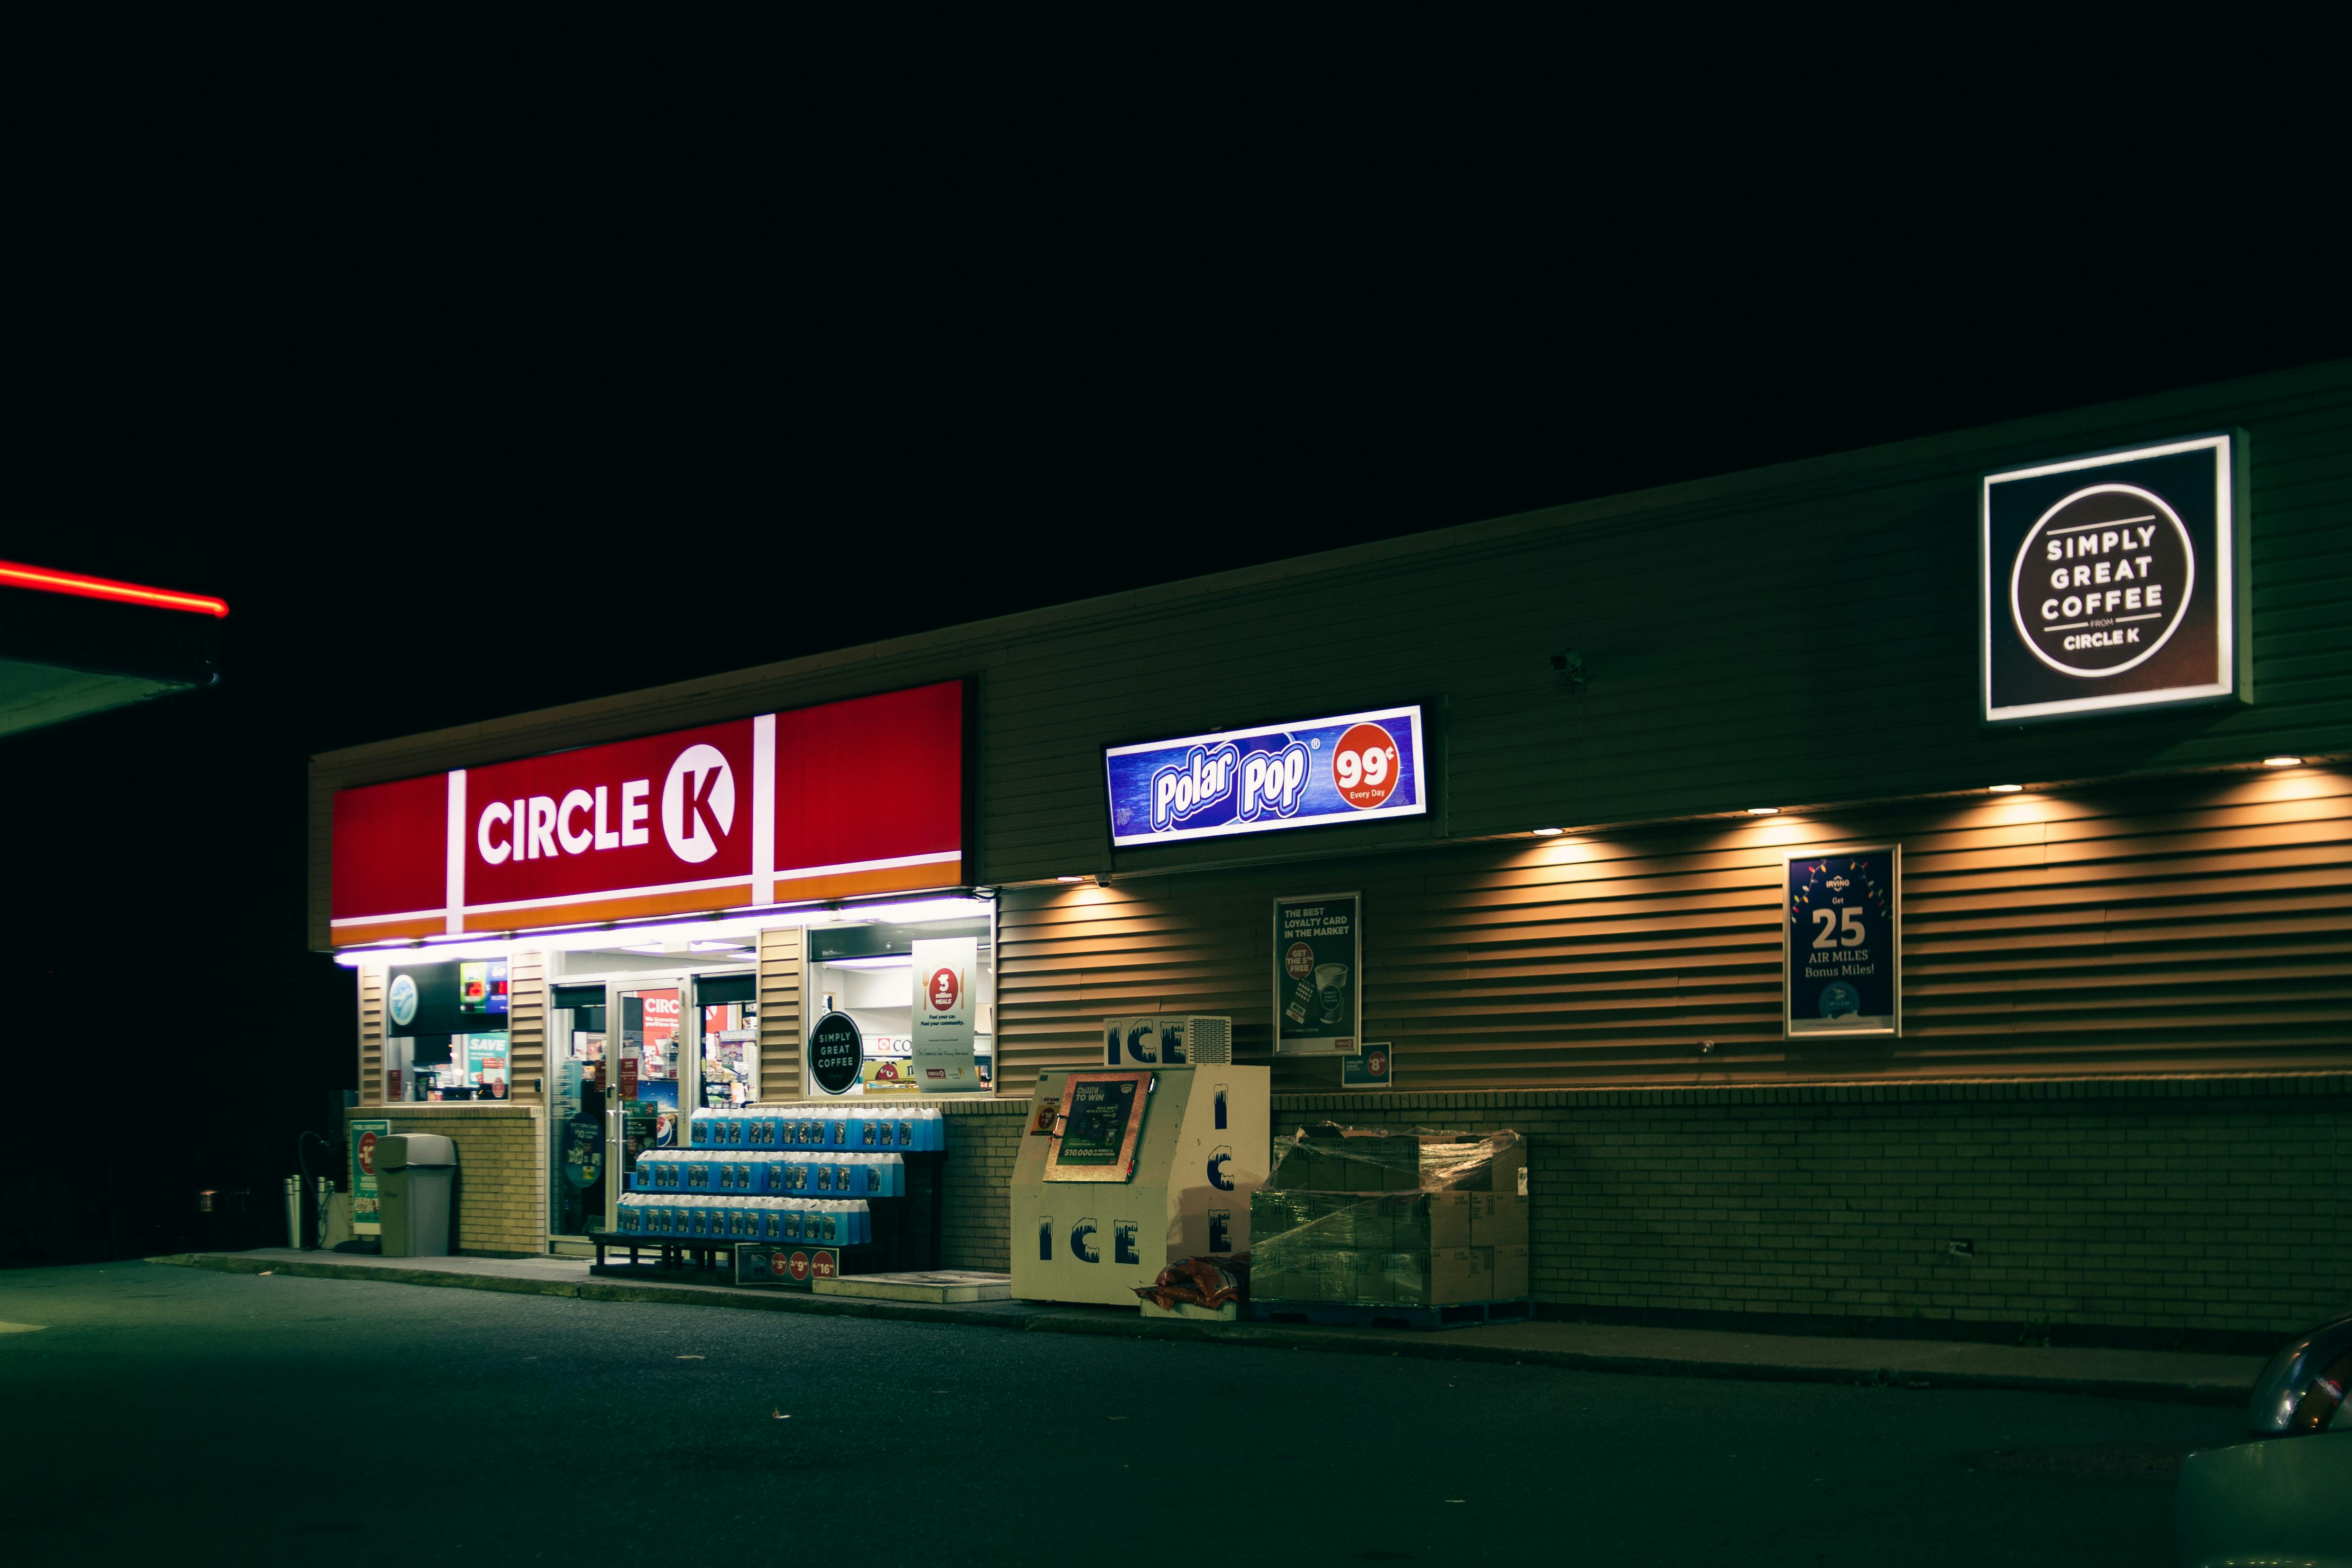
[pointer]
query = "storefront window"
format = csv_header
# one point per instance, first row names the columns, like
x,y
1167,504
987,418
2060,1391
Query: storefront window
x,y
869,973
445,1032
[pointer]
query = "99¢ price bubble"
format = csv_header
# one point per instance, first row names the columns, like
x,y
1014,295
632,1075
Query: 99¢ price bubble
x,y
1365,767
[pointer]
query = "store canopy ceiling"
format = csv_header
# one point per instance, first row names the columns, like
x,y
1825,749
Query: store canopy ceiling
x,y
71,645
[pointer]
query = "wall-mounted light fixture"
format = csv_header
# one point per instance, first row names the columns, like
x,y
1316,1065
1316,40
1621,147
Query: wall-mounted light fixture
x,y
2003,789
1763,811
2282,762
1547,832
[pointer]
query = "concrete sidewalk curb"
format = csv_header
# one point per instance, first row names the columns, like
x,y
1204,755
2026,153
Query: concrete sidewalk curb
x,y
1455,1345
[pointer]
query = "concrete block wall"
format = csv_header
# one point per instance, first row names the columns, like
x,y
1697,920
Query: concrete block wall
x,y
2193,1205
498,1201
2159,1204
976,1220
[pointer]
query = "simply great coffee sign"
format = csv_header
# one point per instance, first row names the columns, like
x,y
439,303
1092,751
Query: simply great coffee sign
x,y
2114,581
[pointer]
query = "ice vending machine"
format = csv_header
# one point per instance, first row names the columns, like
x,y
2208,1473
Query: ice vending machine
x,y
1121,1171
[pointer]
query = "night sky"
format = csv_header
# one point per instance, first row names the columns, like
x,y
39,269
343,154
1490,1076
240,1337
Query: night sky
x,y
456,450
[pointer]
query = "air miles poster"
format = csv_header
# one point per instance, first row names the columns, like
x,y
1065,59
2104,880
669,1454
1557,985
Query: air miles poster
x,y
1844,934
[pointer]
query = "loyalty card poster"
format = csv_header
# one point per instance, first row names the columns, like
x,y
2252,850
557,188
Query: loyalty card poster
x,y
1319,974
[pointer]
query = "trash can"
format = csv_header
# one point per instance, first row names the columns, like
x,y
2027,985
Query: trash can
x,y
413,1172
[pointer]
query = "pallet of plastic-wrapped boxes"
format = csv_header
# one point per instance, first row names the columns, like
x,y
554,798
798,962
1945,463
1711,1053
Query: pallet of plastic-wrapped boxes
x,y
1361,1225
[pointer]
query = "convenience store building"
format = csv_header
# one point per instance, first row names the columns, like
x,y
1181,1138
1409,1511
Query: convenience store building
x,y
2075,691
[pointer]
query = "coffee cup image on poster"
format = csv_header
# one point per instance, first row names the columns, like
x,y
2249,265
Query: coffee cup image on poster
x,y
1844,937
2114,581
1319,974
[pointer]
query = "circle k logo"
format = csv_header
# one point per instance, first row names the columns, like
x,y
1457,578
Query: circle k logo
x,y
697,803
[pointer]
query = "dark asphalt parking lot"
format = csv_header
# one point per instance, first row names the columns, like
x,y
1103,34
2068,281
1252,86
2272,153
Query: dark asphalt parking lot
x,y
162,1413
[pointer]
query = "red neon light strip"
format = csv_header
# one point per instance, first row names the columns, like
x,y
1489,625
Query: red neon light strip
x,y
41,577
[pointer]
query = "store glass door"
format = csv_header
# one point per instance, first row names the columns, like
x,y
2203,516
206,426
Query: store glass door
x,y
576,1085
643,1109
726,1008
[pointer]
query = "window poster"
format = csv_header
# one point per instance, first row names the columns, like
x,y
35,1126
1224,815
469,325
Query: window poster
x,y
946,971
1844,935
482,987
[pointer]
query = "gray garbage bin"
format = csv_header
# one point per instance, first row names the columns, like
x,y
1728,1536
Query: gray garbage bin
x,y
412,1172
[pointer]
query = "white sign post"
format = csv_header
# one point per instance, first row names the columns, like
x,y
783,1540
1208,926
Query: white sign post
x,y
945,1014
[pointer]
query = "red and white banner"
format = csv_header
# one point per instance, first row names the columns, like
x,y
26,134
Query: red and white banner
x,y
858,797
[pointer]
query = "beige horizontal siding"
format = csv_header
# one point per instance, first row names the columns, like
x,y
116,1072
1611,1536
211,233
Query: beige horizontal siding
x,y
1704,692
2181,926
780,1014
371,983
525,1024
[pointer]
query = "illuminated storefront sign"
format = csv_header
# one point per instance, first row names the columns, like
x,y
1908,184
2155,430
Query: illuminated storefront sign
x,y
1352,768
2114,582
850,798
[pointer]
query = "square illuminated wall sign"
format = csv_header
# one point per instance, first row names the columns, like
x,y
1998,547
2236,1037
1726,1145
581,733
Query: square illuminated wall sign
x,y
2114,581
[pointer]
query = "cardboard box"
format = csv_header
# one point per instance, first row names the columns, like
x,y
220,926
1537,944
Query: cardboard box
x,y
1408,1277
1277,1281
1510,1273
1271,1213
1449,1219
1458,1274
1498,1219
1465,1164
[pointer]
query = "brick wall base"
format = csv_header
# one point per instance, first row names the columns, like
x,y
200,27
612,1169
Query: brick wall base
x,y
499,1201
2121,1210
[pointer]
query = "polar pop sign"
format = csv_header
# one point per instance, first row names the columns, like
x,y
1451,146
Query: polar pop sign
x,y
2113,581
750,812
1350,768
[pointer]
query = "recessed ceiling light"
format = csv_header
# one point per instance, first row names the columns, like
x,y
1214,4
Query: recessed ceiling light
x,y
2004,789
1547,832
2282,762
1070,878
1763,811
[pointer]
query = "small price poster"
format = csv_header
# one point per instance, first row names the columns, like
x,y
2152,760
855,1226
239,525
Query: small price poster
x,y
1844,934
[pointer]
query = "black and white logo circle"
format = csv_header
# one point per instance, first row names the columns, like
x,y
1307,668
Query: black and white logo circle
x,y
2101,581
837,1051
